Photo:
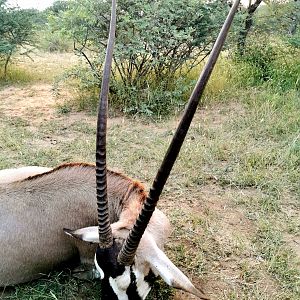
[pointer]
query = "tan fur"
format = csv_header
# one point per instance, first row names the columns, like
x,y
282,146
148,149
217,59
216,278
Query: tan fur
x,y
35,210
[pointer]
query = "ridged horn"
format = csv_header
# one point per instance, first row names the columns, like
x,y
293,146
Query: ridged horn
x,y
127,253
105,233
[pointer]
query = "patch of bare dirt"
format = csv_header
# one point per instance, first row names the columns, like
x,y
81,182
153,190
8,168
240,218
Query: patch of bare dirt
x,y
219,201
293,241
35,103
231,239
292,213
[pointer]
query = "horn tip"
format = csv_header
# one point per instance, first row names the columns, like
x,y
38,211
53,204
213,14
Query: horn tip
x,y
67,231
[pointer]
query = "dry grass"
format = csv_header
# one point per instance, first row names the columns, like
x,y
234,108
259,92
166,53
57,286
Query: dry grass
x,y
42,67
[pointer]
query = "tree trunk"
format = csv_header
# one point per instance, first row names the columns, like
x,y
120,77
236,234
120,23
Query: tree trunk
x,y
6,64
295,21
247,26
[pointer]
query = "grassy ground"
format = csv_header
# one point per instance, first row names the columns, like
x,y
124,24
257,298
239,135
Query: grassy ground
x,y
233,196
43,68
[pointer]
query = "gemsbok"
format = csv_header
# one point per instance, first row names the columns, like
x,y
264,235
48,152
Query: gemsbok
x,y
39,206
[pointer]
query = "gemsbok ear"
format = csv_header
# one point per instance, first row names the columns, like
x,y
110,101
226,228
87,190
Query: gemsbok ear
x,y
87,234
90,235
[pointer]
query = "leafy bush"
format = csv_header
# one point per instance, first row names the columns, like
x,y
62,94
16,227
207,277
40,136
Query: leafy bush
x,y
54,41
156,101
16,32
274,63
84,86
270,55
280,18
158,43
258,63
52,38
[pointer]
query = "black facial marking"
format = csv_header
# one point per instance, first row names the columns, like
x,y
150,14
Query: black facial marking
x,y
150,278
107,261
107,292
132,291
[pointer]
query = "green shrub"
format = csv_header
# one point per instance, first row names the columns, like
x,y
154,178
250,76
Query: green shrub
x,y
274,64
16,32
84,87
154,101
286,72
272,52
158,43
54,42
261,60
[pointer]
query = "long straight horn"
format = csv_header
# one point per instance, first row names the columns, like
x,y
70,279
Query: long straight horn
x,y
105,233
127,253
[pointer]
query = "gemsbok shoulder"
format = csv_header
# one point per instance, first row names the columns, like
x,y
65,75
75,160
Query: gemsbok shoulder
x,y
50,217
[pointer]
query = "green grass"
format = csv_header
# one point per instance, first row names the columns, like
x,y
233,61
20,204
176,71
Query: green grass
x,y
57,286
61,285
281,262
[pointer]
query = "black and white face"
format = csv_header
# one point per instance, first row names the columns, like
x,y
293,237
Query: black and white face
x,y
122,282
133,282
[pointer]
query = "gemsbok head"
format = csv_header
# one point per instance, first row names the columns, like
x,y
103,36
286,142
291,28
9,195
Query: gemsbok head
x,y
128,253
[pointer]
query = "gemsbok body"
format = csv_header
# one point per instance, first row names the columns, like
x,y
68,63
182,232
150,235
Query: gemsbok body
x,y
35,209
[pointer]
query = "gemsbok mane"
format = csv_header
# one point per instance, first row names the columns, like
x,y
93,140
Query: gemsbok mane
x,y
122,234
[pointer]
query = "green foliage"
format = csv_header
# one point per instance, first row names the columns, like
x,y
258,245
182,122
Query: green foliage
x,y
280,19
53,41
271,54
16,32
57,7
157,101
272,62
84,86
261,59
52,38
158,43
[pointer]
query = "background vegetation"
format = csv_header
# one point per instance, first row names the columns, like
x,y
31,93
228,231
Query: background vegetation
x,y
233,197
160,49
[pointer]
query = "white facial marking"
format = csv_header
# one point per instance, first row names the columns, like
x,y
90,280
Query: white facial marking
x,y
98,268
143,287
120,284
164,271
